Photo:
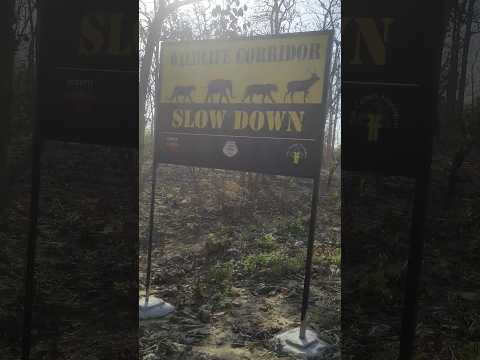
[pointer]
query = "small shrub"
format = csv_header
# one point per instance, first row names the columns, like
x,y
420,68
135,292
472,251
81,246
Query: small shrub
x,y
216,244
329,258
296,227
470,351
219,278
268,242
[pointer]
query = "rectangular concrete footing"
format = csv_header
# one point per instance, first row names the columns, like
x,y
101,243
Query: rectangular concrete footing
x,y
156,308
312,347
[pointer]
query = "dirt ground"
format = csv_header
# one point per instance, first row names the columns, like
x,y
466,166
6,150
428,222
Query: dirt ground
x,y
376,213
232,262
86,277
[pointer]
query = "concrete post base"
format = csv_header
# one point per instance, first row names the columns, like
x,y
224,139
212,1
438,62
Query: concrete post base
x,y
309,348
156,308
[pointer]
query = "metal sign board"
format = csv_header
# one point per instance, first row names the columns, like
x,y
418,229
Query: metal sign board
x,y
253,104
389,81
88,71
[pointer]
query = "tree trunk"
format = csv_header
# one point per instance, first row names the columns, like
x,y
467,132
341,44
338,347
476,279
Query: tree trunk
x,y
467,139
452,85
7,39
463,72
457,162
145,69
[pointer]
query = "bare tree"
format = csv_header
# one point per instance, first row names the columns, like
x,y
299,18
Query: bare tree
x,y
326,15
274,17
471,17
151,37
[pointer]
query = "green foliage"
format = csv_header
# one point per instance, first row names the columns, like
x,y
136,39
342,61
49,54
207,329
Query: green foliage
x,y
470,351
274,264
296,227
268,242
329,258
219,278
216,244
337,257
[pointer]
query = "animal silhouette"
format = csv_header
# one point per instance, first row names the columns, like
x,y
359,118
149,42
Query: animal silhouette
x,y
220,87
264,90
300,86
183,91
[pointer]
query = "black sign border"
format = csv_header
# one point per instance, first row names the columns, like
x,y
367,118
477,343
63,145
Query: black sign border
x,y
319,138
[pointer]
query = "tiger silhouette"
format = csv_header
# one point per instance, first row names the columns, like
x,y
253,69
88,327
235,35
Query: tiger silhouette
x,y
265,90
183,91
220,87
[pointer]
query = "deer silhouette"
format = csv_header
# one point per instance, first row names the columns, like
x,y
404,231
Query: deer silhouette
x,y
300,86
221,87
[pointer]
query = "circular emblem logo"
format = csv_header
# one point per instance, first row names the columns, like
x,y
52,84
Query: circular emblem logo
x,y
230,149
375,112
297,153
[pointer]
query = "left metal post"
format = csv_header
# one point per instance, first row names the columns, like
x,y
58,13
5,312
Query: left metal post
x,y
31,247
151,223
37,148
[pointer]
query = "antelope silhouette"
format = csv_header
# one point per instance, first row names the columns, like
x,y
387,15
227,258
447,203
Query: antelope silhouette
x,y
300,86
221,87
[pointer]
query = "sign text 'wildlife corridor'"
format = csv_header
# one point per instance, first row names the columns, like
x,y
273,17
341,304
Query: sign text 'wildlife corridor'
x,y
246,104
88,71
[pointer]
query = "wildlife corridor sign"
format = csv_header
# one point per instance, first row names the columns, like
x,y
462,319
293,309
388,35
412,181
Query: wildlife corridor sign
x,y
253,104
88,71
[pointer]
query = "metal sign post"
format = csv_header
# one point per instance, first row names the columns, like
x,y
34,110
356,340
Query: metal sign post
x,y
302,340
34,200
84,93
150,306
308,262
31,250
415,259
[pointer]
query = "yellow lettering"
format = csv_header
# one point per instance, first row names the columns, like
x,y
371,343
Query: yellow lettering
x,y
275,120
297,119
188,119
257,120
177,120
91,39
241,120
216,118
374,40
116,38
201,119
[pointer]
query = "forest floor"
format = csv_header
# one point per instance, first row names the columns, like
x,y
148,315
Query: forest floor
x,y
231,261
374,258
86,268
230,255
